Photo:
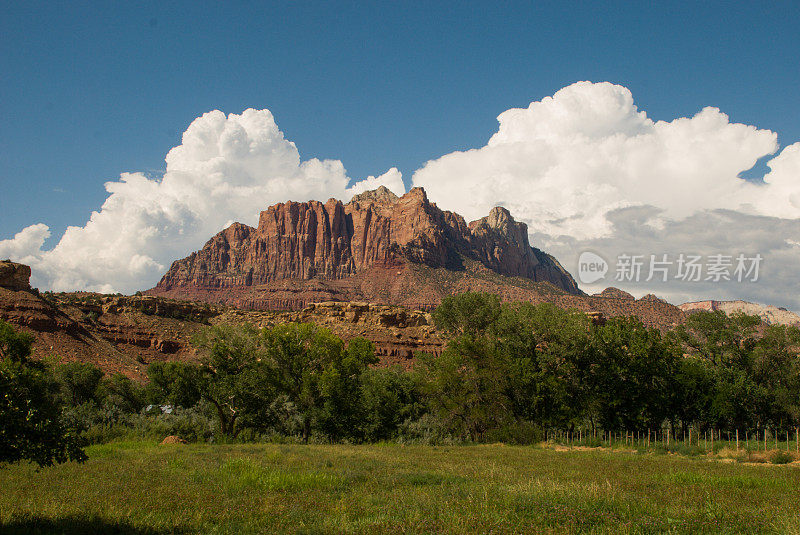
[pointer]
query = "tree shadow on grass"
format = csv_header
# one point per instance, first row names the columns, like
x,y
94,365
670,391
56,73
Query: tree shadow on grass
x,y
78,525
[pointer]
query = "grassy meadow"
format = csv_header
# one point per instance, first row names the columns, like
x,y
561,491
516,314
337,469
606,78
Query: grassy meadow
x,y
147,488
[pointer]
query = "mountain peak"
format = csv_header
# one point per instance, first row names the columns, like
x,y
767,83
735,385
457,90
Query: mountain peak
x,y
499,218
382,195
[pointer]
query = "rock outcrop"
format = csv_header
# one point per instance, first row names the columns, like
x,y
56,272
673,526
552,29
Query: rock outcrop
x,y
615,293
14,276
314,244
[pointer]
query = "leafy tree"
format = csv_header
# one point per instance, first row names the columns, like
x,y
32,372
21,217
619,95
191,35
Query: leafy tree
x,y
467,314
467,386
506,365
122,393
737,400
719,338
752,372
14,345
79,382
691,397
233,378
633,374
547,347
776,367
31,426
174,382
318,375
390,398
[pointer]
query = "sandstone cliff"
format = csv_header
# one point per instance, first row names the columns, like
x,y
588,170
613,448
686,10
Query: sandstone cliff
x,y
14,276
300,250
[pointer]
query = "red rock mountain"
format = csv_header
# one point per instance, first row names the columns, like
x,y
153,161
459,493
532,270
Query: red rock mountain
x,y
377,248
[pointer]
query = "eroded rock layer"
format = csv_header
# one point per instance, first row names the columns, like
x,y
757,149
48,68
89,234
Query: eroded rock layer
x,y
304,252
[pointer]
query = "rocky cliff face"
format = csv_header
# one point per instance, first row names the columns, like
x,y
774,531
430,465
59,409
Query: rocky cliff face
x,y
314,241
14,276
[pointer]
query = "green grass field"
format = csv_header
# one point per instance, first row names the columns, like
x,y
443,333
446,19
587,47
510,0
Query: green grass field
x,y
146,488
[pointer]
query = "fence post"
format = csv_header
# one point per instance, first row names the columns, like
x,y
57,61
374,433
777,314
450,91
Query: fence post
x,y
737,440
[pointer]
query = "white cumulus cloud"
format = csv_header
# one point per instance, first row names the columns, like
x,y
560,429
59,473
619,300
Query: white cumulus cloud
x,y
227,168
562,163
587,170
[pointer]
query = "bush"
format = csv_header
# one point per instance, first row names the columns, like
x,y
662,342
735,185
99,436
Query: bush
x,y
515,433
427,430
32,426
780,457
192,425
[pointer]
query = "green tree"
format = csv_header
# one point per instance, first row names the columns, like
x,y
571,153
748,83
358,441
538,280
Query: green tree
x,y
547,348
776,367
719,338
31,424
318,374
176,383
390,397
467,386
233,378
467,314
79,382
737,402
122,393
633,374
692,396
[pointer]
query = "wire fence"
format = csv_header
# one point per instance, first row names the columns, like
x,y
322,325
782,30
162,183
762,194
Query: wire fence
x,y
710,440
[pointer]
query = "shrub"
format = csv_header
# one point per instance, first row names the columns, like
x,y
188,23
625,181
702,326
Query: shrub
x,y
515,433
31,424
780,457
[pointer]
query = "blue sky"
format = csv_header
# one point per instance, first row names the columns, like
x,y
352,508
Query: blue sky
x,y
91,90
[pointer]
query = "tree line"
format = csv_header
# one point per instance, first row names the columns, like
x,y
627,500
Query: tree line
x,y
512,372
